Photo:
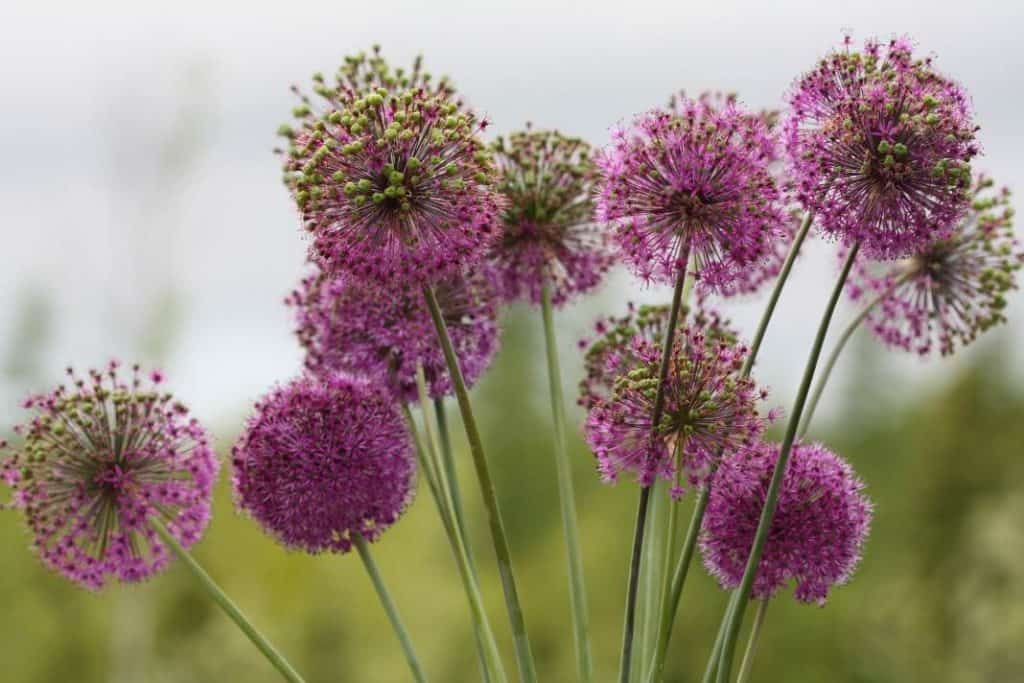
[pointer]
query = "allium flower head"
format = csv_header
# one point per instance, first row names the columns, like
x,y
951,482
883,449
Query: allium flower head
x,y
694,175
323,460
101,459
353,326
710,411
819,527
946,294
548,228
393,186
611,352
880,144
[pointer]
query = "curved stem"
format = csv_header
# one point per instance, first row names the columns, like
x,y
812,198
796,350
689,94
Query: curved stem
x,y
772,497
755,634
389,607
225,603
527,670
716,650
566,495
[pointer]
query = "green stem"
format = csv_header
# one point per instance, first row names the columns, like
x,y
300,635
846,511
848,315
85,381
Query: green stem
x,y
755,634
527,671
716,650
566,496
389,606
470,585
225,603
772,497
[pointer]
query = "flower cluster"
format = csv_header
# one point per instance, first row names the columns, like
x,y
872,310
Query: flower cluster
x,y
817,532
710,411
352,326
102,460
323,460
953,289
880,145
691,180
548,228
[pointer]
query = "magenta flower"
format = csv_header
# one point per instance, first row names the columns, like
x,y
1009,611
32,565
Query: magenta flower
x,y
695,176
710,411
323,460
818,530
100,460
611,352
946,294
548,228
347,325
879,144
394,186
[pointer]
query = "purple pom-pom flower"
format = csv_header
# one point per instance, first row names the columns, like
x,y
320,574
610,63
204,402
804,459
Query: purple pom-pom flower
x,y
102,459
880,144
694,179
548,227
321,461
818,530
356,327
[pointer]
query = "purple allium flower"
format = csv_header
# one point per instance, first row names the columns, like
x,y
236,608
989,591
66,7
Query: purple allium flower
x,y
352,326
879,144
100,459
947,293
710,410
610,353
323,460
548,227
819,527
394,186
696,175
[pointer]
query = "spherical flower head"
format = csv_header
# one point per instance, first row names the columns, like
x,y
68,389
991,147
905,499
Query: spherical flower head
x,y
322,461
357,327
610,352
695,176
101,460
394,187
710,411
880,145
947,293
818,530
548,230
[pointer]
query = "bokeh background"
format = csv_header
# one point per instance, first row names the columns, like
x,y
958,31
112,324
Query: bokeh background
x,y
142,217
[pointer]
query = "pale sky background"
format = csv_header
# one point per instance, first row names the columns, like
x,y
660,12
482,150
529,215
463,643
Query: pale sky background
x,y
135,146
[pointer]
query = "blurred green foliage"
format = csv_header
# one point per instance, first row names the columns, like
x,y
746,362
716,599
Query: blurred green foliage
x,y
938,597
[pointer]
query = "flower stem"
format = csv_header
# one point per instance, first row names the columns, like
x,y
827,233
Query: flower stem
x,y
527,671
716,650
566,496
671,605
389,606
755,634
772,497
225,603
645,493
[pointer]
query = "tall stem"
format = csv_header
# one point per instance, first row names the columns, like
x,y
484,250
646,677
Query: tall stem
x,y
772,497
686,555
389,607
566,496
629,621
527,671
225,603
755,635
716,649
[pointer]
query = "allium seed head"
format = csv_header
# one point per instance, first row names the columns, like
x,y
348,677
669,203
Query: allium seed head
x,y
356,327
819,527
697,175
880,145
548,228
101,458
946,294
323,460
